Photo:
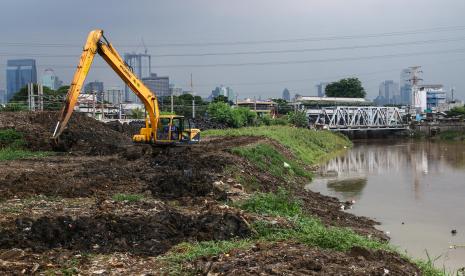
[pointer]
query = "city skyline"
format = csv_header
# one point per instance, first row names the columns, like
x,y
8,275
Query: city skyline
x,y
222,43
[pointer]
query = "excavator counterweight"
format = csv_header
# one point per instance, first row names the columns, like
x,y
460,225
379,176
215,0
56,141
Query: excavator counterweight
x,y
159,129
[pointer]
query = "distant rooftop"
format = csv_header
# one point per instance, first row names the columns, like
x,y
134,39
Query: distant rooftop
x,y
329,99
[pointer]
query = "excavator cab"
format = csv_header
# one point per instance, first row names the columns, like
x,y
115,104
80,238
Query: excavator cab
x,y
171,130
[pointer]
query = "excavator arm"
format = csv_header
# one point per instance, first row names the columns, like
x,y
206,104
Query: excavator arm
x,y
98,44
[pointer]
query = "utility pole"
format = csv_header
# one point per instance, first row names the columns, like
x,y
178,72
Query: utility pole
x,y
29,96
120,104
193,98
102,105
172,102
41,96
93,104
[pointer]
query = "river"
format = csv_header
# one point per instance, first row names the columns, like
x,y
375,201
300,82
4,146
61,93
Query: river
x,y
416,189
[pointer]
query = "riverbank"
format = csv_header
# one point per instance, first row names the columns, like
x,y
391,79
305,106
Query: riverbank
x,y
234,204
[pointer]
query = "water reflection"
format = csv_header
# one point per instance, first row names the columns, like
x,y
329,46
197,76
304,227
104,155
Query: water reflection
x,y
414,188
421,158
349,189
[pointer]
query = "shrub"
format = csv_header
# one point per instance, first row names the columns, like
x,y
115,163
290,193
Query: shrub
x,y
298,118
233,117
11,138
280,121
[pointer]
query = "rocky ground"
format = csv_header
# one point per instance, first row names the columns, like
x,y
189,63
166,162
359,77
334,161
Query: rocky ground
x,y
59,214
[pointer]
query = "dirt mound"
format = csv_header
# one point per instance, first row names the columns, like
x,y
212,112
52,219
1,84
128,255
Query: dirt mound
x,y
130,129
83,134
150,234
296,259
76,176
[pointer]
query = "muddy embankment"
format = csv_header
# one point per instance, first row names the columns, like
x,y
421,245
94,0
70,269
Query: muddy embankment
x,y
59,214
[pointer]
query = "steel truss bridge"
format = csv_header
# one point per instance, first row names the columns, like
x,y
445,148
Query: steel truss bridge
x,y
349,118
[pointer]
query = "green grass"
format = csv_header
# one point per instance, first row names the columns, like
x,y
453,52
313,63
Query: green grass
x,y
267,158
11,138
11,146
452,135
310,146
15,153
128,197
188,252
306,229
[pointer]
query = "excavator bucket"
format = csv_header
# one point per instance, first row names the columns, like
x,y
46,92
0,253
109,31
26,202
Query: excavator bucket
x,y
87,56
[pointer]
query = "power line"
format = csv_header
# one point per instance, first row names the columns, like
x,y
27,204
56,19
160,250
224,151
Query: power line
x,y
286,62
252,42
418,42
313,60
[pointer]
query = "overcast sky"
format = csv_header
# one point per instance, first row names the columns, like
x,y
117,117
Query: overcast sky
x,y
308,28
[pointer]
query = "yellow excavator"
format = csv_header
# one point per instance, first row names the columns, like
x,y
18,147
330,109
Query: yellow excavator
x,y
159,129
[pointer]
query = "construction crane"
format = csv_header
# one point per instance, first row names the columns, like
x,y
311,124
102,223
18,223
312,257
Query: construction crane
x,y
159,129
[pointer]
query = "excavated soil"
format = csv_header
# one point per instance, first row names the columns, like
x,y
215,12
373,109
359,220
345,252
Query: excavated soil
x,y
83,134
296,259
58,212
150,234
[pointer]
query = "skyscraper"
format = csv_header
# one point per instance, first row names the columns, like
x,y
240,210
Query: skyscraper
x,y
141,66
223,91
51,80
19,73
286,95
388,93
95,87
158,85
321,89
2,96
405,87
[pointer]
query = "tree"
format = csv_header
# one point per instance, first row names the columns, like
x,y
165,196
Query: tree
x,y
137,113
221,98
53,99
456,111
233,117
298,118
349,88
282,106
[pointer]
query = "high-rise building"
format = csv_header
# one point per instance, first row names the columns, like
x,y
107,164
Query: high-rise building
x,y
388,93
158,84
321,89
141,66
51,80
19,73
435,97
286,95
113,95
175,91
2,96
223,91
95,87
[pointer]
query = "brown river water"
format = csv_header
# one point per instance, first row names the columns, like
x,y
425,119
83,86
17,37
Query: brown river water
x,y
416,189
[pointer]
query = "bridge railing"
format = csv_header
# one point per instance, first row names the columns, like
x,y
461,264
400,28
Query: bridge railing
x,y
350,117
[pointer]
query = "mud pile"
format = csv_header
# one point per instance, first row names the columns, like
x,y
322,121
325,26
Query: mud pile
x,y
146,234
83,134
297,259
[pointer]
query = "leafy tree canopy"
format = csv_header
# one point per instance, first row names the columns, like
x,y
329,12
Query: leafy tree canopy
x,y
349,88
222,99
456,111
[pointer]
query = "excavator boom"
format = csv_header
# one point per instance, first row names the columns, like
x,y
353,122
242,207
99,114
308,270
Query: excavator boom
x,y
87,56
98,44
173,129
